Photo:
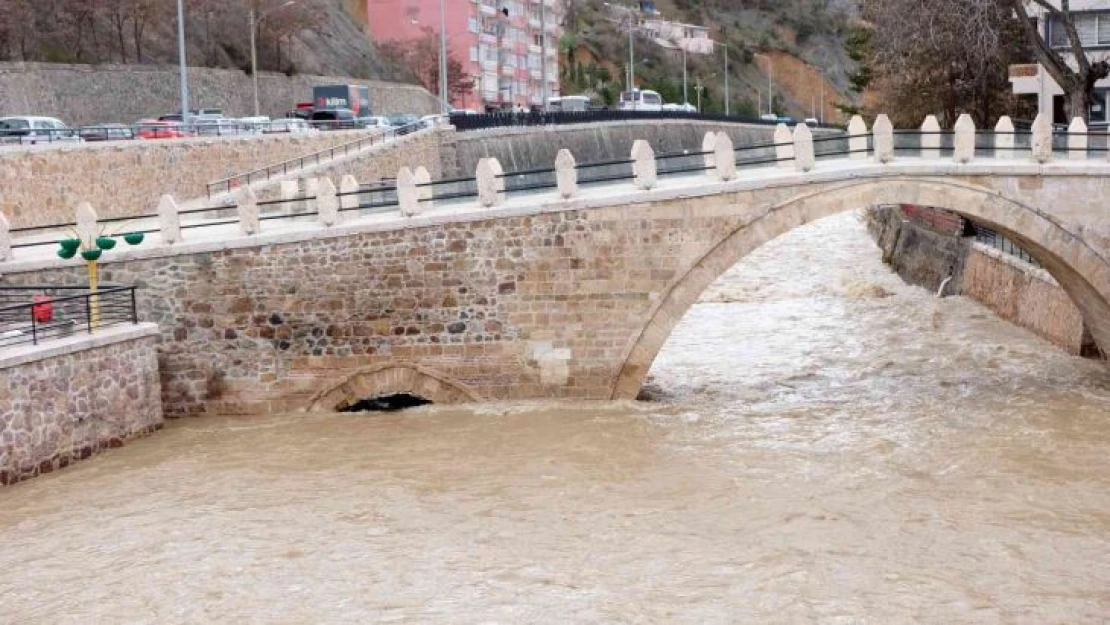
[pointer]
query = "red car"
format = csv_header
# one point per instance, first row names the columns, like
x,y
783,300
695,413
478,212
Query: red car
x,y
150,129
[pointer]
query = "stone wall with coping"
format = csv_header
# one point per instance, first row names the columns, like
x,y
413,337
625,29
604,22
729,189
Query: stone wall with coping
x,y
384,161
97,94
530,147
70,398
43,184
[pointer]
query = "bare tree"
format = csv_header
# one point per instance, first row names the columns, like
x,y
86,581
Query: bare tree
x,y
1078,83
943,57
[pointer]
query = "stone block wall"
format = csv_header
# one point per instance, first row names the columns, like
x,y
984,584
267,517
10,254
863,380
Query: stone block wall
x,y
924,246
43,184
98,94
386,160
65,404
530,147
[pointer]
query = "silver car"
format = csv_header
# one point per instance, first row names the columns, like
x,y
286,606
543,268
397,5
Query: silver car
x,y
32,130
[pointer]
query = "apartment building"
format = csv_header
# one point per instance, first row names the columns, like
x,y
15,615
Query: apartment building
x,y
503,44
665,33
1093,25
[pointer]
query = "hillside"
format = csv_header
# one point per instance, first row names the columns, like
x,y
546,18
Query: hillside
x,y
317,37
801,42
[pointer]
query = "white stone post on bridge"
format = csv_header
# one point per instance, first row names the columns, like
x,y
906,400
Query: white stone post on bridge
x,y
724,156
327,204
289,190
804,156
1041,141
5,238
857,138
424,193
87,229
247,207
708,150
311,187
964,140
408,199
1004,138
1077,139
930,138
491,184
784,147
348,188
169,220
883,136
566,174
644,168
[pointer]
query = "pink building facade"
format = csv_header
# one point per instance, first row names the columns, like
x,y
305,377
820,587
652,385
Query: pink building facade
x,y
500,43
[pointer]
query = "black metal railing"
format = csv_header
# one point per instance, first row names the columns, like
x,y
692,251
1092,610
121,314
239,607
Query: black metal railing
x,y
991,238
283,168
465,122
31,314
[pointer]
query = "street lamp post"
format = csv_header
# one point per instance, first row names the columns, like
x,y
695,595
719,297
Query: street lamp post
x,y
685,94
770,81
254,50
631,74
443,96
181,60
728,99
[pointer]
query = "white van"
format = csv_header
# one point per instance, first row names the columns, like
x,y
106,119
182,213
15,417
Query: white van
x,y
32,130
641,100
568,103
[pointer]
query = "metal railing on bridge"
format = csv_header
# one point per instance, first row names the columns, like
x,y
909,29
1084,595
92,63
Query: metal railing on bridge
x,y
480,121
31,314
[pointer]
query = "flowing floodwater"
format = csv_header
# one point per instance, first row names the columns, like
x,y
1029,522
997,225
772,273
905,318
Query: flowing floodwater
x,y
832,446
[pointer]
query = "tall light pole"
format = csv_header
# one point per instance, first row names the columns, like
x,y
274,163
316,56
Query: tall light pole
x,y
631,73
543,55
254,50
685,93
728,100
770,83
181,60
443,60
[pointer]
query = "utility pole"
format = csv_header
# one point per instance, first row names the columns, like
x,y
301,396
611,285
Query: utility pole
x,y
728,100
181,61
443,59
631,55
685,95
254,59
697,86
543,55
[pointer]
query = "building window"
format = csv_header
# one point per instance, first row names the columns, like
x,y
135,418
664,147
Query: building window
x,y
472,24
1093,30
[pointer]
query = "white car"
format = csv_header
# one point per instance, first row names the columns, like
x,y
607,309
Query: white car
x,y
375,121
32,130
290,125
681,108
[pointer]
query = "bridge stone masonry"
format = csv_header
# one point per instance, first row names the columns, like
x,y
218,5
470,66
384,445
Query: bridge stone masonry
x,y
561,288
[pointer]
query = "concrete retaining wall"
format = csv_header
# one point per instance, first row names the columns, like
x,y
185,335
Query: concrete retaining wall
x,y
70,398
533,147
97,94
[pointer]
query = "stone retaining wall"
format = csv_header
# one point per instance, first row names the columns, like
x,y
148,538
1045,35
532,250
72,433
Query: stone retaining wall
x,y
924,246
43,184
531,147
70,398
98,94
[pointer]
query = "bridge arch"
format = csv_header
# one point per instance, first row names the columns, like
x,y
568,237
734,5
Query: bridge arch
x,y
391,379
1081,271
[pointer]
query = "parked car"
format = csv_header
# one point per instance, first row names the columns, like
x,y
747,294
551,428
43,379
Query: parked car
x,y
374,122
107,132
334,119
640,100
218,127
769,117
32,130
812,121
291,126
157,129
404,123
681,108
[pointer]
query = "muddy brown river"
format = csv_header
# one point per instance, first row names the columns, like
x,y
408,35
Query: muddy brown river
x,y
828,445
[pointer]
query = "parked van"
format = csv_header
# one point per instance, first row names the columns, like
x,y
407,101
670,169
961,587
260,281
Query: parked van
x,y
31,130
641,100
568,103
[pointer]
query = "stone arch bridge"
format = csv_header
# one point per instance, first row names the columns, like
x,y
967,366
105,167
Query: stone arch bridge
x,y
562,293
